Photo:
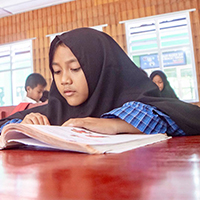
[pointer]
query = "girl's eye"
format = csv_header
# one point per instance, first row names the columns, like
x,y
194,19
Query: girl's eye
x,y
76,69
56,72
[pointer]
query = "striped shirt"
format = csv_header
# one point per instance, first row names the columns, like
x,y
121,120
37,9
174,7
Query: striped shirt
x,y
148,119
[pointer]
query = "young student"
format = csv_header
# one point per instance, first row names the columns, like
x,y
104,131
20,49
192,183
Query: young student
x,y
160,79
34,86
96,86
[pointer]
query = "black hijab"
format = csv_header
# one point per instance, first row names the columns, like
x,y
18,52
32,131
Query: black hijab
x,y
167,90
113,79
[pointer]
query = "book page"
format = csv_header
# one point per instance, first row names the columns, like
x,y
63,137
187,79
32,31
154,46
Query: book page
x,y
74,139
79,135
31,142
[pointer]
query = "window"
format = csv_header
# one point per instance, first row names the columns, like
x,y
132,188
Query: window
x,y
164,42
15,66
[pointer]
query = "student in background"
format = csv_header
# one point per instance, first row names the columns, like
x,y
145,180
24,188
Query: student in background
x,y
160,79
34,86
96,86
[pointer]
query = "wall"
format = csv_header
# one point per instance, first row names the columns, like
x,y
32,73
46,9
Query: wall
x,y
79,13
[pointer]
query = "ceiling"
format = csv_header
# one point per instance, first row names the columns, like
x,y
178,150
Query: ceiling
x,y
11,7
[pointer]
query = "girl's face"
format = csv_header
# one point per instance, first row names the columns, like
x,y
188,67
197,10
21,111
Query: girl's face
x,y
158,81
69,77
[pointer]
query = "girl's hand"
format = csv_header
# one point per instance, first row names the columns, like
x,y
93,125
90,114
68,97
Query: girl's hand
x,y
100,125
35,118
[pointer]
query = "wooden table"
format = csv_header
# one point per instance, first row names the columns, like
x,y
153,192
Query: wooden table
x,y
166,170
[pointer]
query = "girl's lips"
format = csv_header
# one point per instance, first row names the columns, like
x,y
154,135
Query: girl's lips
x,y
69,92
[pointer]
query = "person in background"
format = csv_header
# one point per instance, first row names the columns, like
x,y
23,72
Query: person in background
x,y
96,86
34,86
160,79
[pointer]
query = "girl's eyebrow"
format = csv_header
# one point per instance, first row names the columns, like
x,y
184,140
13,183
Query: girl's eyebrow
x,y
71,60
53,63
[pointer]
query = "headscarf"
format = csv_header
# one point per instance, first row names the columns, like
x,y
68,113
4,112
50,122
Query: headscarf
x,y
167,90
113,79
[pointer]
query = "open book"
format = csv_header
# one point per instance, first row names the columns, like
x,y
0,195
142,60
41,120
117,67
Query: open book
x,y
73,139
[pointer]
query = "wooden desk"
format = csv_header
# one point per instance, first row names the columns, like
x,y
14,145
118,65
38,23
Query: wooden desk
x,y
167,170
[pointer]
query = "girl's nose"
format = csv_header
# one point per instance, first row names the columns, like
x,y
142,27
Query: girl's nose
x,y
66,79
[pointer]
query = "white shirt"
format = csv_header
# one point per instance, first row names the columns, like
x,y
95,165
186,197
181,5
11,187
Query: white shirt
x,y
29,100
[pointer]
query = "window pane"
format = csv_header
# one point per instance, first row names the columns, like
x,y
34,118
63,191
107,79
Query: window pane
x,y
178,68
19,78
15,66
4,58
4,63
172,77
142,36
21,55
21,59
21,47
173,32
187,82
22,64
5,89
136,60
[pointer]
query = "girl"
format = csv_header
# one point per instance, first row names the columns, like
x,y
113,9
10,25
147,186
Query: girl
x,y
96,86
160,79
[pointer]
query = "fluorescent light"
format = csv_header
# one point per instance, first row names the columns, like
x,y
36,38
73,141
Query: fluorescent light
x,y
6,3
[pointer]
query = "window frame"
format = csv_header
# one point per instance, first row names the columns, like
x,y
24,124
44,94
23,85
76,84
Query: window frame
x,y
160,50
12,69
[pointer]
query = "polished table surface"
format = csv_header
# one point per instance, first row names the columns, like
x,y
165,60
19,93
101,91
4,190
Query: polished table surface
x,y
165,170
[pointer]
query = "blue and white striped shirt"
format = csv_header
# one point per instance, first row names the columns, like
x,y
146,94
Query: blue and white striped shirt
x,y
146,118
